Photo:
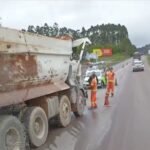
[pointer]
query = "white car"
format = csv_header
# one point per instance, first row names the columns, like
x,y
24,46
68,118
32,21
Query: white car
x,y
138,65
98,73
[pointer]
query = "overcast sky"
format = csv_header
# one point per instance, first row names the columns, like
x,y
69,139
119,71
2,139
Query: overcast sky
x,y
134,14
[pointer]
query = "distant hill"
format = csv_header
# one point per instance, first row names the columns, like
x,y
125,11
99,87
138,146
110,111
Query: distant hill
x,y
102,36
144,49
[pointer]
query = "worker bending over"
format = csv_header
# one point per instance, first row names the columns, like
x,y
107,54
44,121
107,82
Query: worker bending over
x,y
93,86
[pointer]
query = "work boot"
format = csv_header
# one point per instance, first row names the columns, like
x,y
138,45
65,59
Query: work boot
x,y
95,106
112,94
92,106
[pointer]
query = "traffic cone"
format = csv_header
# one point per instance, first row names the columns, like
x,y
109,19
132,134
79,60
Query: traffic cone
x,y
106,101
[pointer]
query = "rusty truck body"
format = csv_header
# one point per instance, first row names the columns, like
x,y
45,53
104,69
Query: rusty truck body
x,y
39,80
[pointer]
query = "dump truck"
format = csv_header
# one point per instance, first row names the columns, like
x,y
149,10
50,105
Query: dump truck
x,y
39,81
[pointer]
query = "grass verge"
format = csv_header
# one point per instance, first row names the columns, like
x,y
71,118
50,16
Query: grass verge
x,y
116,58
148,59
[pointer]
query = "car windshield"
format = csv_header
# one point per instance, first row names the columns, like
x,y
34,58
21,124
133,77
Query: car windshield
x,y
138,63
90,73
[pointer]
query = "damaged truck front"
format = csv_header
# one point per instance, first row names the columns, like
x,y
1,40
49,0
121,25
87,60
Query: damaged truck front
x,y
39,80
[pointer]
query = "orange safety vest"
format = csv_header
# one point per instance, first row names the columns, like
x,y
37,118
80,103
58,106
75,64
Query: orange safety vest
x,y
110,76
106,74
94,85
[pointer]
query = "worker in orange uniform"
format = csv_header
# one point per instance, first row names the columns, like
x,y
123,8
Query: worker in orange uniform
x,y
93,86
110,85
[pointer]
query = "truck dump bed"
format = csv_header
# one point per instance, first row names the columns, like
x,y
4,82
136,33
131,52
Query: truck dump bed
x,y
31,65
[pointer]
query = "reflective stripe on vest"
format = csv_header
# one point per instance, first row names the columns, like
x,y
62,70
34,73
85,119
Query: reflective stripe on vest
x,y
110,77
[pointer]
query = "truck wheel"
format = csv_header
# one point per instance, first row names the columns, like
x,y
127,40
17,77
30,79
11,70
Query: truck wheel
x,y
12,134
64,117
80,105
36,124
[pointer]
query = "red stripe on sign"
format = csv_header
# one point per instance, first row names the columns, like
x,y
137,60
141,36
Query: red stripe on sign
x,y
107,51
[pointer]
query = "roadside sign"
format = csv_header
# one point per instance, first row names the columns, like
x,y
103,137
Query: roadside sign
x,y
107,51
103,52
98,52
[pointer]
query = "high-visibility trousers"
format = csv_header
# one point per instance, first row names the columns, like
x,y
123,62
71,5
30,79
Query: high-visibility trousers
x,y
93,99
110,88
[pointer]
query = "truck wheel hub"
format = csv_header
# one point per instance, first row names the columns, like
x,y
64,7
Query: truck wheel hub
x,y
65,110
38,127
12,139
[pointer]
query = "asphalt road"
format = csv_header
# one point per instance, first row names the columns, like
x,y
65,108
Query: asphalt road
x,y
123,126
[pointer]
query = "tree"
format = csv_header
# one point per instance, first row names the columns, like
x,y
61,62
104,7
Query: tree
x,y
102,36
31,29
55,29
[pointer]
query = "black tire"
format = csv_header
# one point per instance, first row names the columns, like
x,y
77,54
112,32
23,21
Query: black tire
x,y
36,124
116,82
64,117
102,84
80,105
12,134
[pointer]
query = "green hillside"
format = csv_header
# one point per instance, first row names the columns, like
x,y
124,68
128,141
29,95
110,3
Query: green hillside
x,y
102,36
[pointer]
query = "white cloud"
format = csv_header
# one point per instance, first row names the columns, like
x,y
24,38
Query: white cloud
x,y
135,15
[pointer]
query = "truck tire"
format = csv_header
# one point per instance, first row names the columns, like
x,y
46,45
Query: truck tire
x,y
12,134
64,117
36,124
80,105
